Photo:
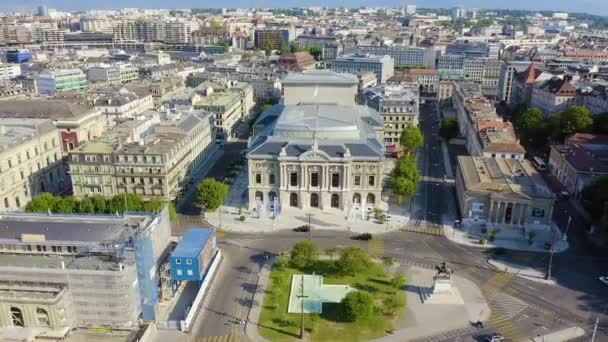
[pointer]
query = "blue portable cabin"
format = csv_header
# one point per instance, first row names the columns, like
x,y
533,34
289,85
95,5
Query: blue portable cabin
x,y
193,254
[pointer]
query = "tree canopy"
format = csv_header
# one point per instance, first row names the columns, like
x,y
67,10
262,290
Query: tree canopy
x,y
358,306
97,204
571,120
405,176
353,259
304,254
449,128
211,193
534,128
595,199
411,138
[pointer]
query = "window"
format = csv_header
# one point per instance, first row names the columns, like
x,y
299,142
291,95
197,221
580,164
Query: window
x,y
271,179
179,272
314,179
17,317
258,178
293,179
189,272
357,180
178,261
188,261
538,212
335,180
371,180
42,317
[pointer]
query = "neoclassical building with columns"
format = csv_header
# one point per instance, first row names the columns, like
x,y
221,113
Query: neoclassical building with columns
x,y
317,149
503,192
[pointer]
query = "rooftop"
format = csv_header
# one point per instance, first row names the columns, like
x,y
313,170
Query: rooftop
x,y
586,152
320,77
42,108
192,242
14,132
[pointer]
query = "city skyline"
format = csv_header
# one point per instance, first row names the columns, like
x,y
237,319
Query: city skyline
x,y
583,6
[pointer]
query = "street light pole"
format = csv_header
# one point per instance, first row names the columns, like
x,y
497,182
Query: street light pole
x,y
302,296
550,265
309,227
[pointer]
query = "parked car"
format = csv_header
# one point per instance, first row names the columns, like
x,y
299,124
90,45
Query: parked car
x,y
302,229
495,338
604,280
363,237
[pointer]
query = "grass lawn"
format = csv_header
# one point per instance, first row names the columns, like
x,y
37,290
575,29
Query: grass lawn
x,y
276,324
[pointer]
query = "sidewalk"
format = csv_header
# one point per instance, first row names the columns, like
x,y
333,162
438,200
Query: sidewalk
x,y
251,326
563,335
522,271
504,239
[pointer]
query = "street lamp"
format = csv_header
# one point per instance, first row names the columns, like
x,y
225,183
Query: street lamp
x,y
309,226
302,296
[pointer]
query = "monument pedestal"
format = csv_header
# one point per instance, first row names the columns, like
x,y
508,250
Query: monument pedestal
x,y
444,292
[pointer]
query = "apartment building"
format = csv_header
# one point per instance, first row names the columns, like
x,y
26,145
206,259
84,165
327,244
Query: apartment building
x,y
275,36
398,106
553,95
119,104
330,47
31,161
487,135
9,71
484,71
153,157
383,67
508,71
52,82
594,97
579,161
113,74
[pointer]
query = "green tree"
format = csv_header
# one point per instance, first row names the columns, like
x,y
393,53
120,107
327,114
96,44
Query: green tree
x,y
304,254
406,167
388,261
571,120
283,46
316,52
411,138
595,198
393,303
534,127
172,212
42,203
358,306
154,204
66,205
331,252
398,281
86,206
216,25
402,186
211,193
100,204
268,44
281,261
352,260
449,128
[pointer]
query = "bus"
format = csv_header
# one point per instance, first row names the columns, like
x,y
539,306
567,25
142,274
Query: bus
x,y
539,164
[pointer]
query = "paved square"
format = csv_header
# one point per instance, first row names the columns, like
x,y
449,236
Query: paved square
x,y
315,293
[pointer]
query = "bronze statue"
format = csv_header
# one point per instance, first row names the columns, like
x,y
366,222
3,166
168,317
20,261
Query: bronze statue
x,y
443,271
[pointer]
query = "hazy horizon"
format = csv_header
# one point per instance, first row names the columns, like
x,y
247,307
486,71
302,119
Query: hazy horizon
x,y
586,6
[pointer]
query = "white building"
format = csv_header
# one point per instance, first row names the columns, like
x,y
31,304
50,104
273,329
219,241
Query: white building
x,y
383,67
9,71
113,74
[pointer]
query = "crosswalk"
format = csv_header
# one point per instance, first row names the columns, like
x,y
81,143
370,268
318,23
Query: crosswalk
x,y
375,247
507,306
506,328
232,337
423,229
451,335
495,284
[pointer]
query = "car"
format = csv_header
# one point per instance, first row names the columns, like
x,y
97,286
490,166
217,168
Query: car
x,y
604,280
495,338
363,237
302,229
385,217
563,194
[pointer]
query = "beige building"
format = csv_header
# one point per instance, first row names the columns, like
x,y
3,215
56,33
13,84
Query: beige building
x,y
30,161
506,192
313,152
153,157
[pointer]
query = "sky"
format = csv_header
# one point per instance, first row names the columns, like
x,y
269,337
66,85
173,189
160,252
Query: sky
x,y
599,7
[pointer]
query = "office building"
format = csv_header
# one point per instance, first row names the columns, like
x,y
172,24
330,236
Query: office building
x,y
402,55
473,49
52,82
507,72
275,36
113,74
150,157
119,104
505,193
9,71
383,67
312,152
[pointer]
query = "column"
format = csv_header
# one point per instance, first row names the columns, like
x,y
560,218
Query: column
x,y
524,214
489,217
304,180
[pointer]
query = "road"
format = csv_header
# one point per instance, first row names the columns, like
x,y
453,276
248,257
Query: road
x,y
532,308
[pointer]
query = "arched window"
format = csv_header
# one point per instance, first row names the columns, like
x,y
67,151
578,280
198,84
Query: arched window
x,y
314,200
335,201
17,317
371,199
259,196
6,204
357,198
272,195
293,200
42,317
17,202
